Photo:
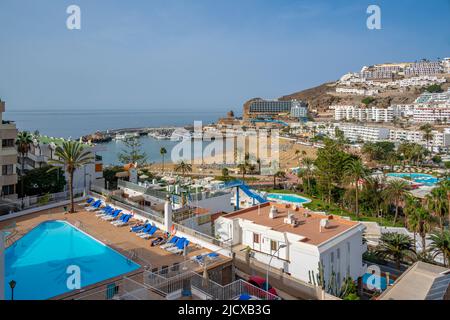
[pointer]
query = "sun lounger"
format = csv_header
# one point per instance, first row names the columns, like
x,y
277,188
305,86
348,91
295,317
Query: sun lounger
x,y
123,216
123,222
150,233
145,230
89,201
170,243
173,245
95,205
105,211
113,216
138,228
179,248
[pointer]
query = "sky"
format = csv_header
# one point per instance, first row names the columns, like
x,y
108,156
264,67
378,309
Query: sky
x,y
207,55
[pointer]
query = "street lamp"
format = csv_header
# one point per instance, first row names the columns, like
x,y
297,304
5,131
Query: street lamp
x,y
12,285
268,266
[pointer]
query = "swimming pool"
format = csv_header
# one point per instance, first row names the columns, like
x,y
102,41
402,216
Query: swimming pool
x,y
422,178
284,197
40,262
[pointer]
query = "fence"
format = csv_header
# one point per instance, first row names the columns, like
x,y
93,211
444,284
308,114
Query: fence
x,y
207,289
127,205
37,201
122,289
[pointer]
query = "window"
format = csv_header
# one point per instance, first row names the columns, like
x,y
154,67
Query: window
x,y
273,245
332,257
8,190
255,238
8,143
338,253
7,170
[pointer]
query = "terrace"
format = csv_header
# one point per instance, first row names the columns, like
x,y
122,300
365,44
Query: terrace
x,y
122,240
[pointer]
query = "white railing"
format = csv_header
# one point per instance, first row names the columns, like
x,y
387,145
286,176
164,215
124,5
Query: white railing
x,y
168,286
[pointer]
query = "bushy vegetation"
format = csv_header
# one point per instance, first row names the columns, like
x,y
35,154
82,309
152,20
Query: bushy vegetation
x,y
434,88
368,100
40,181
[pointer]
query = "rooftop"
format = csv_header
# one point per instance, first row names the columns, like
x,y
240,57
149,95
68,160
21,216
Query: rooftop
x,y
422,281
308,222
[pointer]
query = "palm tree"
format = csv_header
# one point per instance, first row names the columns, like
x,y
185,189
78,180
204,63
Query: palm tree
x,y
355,171
72,155
183,167
440,244
162,152
395,246
23,143
242,169
396,191
427,133
278,174
424,220
436,202
308,167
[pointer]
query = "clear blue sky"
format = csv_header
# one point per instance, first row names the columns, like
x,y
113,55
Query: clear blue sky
x,y
200,54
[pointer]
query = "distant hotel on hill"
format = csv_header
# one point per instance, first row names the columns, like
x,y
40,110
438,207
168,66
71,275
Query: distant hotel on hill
x,y
274,109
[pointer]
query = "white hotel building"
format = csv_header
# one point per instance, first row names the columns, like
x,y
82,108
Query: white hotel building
x,y
363,114
297,239
432,107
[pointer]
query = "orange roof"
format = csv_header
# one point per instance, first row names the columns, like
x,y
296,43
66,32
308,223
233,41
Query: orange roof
x,y
128,166
308,222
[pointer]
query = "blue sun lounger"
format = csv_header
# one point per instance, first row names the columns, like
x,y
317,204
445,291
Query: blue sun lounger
x,y
150,233
124,219
105,211
95,205
89,201
179,248
174,244
113,215
145,230
139,228
170,243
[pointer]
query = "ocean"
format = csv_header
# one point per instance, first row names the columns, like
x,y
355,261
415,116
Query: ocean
x,y
74,124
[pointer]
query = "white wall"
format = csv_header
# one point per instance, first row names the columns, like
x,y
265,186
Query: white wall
x,y
217,204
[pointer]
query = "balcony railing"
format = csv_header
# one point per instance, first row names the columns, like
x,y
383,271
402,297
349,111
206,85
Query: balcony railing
x,y
209,289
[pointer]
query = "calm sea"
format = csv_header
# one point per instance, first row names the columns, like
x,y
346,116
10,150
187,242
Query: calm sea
x,y
81,122
71,124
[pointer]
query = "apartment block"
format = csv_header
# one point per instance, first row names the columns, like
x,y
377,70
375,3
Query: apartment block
x,y
363,114
8,156
41,153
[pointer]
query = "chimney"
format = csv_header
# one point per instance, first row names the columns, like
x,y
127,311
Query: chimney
x,y
273,212
323,224
168,214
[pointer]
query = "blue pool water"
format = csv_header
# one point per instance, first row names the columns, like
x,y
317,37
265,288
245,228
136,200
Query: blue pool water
x,y
378,282
422,178
38,261
291,198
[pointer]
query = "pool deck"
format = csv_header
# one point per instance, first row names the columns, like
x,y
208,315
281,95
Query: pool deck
x,y
118,238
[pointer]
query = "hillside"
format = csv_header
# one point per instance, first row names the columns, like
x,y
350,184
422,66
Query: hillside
x,y
321,97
